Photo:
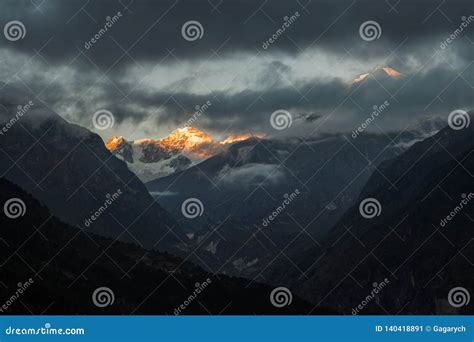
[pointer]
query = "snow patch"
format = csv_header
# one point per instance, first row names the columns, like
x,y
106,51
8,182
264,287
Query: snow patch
x,y
212,247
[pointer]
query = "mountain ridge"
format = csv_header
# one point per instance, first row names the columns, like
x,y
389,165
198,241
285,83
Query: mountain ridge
x,y
182,148
69,169
65,265
407,242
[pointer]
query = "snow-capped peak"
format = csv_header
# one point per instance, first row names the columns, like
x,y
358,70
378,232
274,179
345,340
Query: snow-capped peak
x,y
380,71
182,148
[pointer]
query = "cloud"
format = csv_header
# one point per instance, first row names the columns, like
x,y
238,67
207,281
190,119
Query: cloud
x,y
163,193
250,175
149,29
152,79
309,117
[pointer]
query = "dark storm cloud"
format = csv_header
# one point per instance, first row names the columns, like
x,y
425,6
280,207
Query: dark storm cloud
x,y
435,91
245,108
148,30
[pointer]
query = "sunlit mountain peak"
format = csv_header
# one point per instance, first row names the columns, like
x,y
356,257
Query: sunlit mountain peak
x,y
391,72
190,141
187,139
113,142
241,137
380,70
360,78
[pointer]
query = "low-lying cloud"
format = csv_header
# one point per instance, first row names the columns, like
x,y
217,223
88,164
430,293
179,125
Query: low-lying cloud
x,y
251,175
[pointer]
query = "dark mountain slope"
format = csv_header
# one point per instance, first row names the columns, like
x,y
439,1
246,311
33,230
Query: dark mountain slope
x,y
67,265
422,256
68,168
244,185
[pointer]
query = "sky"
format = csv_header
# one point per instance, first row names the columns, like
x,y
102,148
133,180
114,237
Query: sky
x,y
243,61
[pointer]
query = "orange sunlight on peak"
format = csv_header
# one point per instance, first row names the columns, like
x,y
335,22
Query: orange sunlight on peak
x,y
392,72
241,137
190,140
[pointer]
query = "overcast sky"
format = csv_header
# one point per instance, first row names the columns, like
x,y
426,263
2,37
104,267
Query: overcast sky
x,y
151,78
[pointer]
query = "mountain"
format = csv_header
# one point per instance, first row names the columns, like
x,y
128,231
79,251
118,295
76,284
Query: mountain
x,y
315,180
420,241
69,169
184,147
304,185
379,73
51,268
